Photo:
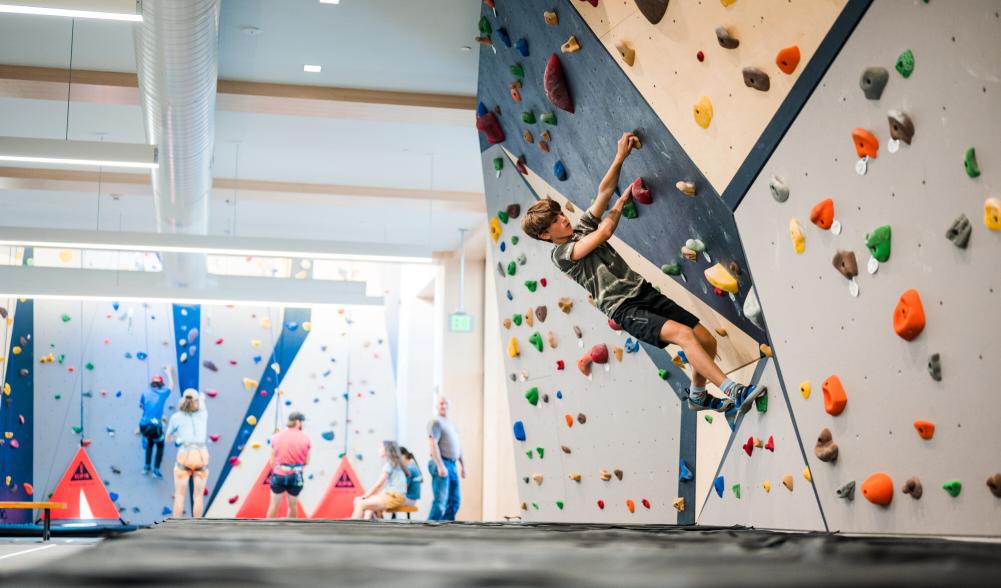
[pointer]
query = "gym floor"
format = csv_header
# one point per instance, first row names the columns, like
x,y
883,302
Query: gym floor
x,y
387,554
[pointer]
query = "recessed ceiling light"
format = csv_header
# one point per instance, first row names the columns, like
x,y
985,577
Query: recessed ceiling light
x,y
330,1
312,68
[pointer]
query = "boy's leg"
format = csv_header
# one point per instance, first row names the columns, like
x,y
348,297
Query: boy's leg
x,y
708,343
703,364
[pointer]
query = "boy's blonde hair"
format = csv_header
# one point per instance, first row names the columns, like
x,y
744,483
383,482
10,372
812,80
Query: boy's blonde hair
x,y
539,216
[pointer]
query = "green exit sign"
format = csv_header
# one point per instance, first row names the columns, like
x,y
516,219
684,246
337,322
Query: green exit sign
x,y
460,322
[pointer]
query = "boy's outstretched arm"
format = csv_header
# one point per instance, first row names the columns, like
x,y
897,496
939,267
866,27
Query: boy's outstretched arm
x,y
606,227
607,186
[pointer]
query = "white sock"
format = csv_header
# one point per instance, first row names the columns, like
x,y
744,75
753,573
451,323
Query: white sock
x,y
727,387
697,392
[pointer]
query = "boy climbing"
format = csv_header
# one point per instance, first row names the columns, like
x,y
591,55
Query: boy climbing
x,y
583,253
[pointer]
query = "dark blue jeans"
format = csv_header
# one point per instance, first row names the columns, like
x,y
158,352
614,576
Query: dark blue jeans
x,y
446,491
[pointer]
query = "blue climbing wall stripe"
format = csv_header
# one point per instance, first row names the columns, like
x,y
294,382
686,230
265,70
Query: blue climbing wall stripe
x,y
286,348
187,317
18,463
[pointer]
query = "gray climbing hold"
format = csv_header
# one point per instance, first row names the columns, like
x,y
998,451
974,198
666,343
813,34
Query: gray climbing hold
x,y
901,127
522,260
935,367
653,10
847,491
826,449
755,78
577,331
959,232
873,81
845,262
780,192
726,40
500,269
541,312
752,310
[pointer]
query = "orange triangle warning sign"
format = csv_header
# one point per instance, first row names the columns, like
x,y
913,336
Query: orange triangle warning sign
x,y
83,492
338,501
255,505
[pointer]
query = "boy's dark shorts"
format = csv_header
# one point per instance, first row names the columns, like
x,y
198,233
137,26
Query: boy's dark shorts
x,y
644,315
291,483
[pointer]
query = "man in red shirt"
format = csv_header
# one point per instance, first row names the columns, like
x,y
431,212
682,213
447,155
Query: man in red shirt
x,y
289,455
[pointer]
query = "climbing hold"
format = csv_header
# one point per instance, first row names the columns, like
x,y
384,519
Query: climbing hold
x,y
517,319
617,352
631,505
719,277
992,214
780,192
873,81
532,396
925,429
512,347
640,192
726,40
909,315
577,331
847,491
797,235
519,430
584,364
913,487
718,486
515,92
752,309
767,486
878,243
65,318
504,36
953,487
970,163
484,26
787,59
866,144
826,449
513,210
618,474
251,420
684,472
631,346
627,53
695,245
736,490
755,78
993,483
703,112
770,444
787,482
210,366
709,418
541,313
571,46
522,46
490,126
601,504
538,478
935,367
565,304
527,117
569,420
663,374
822,214
878,489
599,353
527,136
517,70
686,188
605,475
560,170
679,504
541,452
700,56
653,10
536,340
959,232
807,474
250,384
555,84
551,339
512,268
749,446
531,285
552,19
575,476
671,269
560,365
495,229
905,63
834,396
844,262
901,127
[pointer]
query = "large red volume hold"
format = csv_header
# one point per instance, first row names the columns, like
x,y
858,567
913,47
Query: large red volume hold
x,y
490,126
556,86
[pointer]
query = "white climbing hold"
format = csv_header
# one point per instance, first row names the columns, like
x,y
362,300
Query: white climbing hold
x,y
893,145
853,287
873,265
862,165
836,227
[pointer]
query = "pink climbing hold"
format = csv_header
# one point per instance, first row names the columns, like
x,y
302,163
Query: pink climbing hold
x,y
555,84
214,438
233,499
234,461
640,192
599,353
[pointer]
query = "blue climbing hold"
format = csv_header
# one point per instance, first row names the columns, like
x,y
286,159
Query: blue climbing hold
x,y
718,485
504,37
503,247
288,403
519,430
560,171
685,474
257,359
632,346
114,305
327,435
509,296
166,511
142,355
559,394
481,109
682,356
345,395
113,496
128,355
118,394
291,325
522,47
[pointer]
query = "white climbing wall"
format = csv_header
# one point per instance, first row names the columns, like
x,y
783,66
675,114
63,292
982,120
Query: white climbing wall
x,y
632,416
819,329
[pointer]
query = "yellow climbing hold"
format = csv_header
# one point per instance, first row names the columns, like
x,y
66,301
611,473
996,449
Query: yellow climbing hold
x,y
797,236
787,481
726,2
767,486
249,384
265,323
255,343
512,347
703,112
65,255
992,214
721,278
251,420
307,326
16,350
807,474
679,504
255,446
495,228
804,388
6,389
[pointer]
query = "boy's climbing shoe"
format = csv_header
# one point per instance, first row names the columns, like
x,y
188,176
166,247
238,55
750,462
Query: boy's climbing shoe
x,y
743,396
146,470
707,402
157,474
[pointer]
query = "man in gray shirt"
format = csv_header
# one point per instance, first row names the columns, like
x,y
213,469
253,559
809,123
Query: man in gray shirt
x,y
445,452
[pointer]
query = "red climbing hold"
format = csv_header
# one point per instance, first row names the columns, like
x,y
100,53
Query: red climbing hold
x,y
491,128
770,444
788,59
749,446
700,56
599,353
646,503
543,282
866,144
28,488
925,429
556,86
834,396
234,461
878,489
233,499
641,193
601,504
560,365
909,316
614,325
822,214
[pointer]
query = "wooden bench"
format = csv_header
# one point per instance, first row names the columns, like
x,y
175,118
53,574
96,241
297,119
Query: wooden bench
x,y
45,506
405,508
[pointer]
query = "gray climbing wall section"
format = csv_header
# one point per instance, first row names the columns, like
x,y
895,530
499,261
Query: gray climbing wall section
x,y
820,329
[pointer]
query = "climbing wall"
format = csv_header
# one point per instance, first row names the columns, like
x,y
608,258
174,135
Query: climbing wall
x,y
622,421
820,329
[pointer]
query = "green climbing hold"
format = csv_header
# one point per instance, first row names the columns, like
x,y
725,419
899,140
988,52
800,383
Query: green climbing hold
x,y
485,28
709,418
695,245
953,487
498,163
502,216
761,402
549,118
662,374
517,71
541,452
511,268
905,63
58,396
89,366
535,505
514,239
531,285
878,243
736,490
970,162
66,318
528,117
629,210
77,429
62,357
536,340
532,396
559,504
516,319
671,269
529,454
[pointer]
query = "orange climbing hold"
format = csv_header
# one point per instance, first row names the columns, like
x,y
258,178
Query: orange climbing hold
x,y
569,420
822,214
584,364
788,59
834,396
866,144
925,429
631,505
909,316
878,489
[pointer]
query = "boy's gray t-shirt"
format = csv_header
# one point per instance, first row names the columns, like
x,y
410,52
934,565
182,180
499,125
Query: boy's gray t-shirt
x,y
443,431
603,273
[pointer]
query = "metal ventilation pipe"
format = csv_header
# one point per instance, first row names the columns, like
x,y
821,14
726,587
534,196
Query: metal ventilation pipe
x,y
177,59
